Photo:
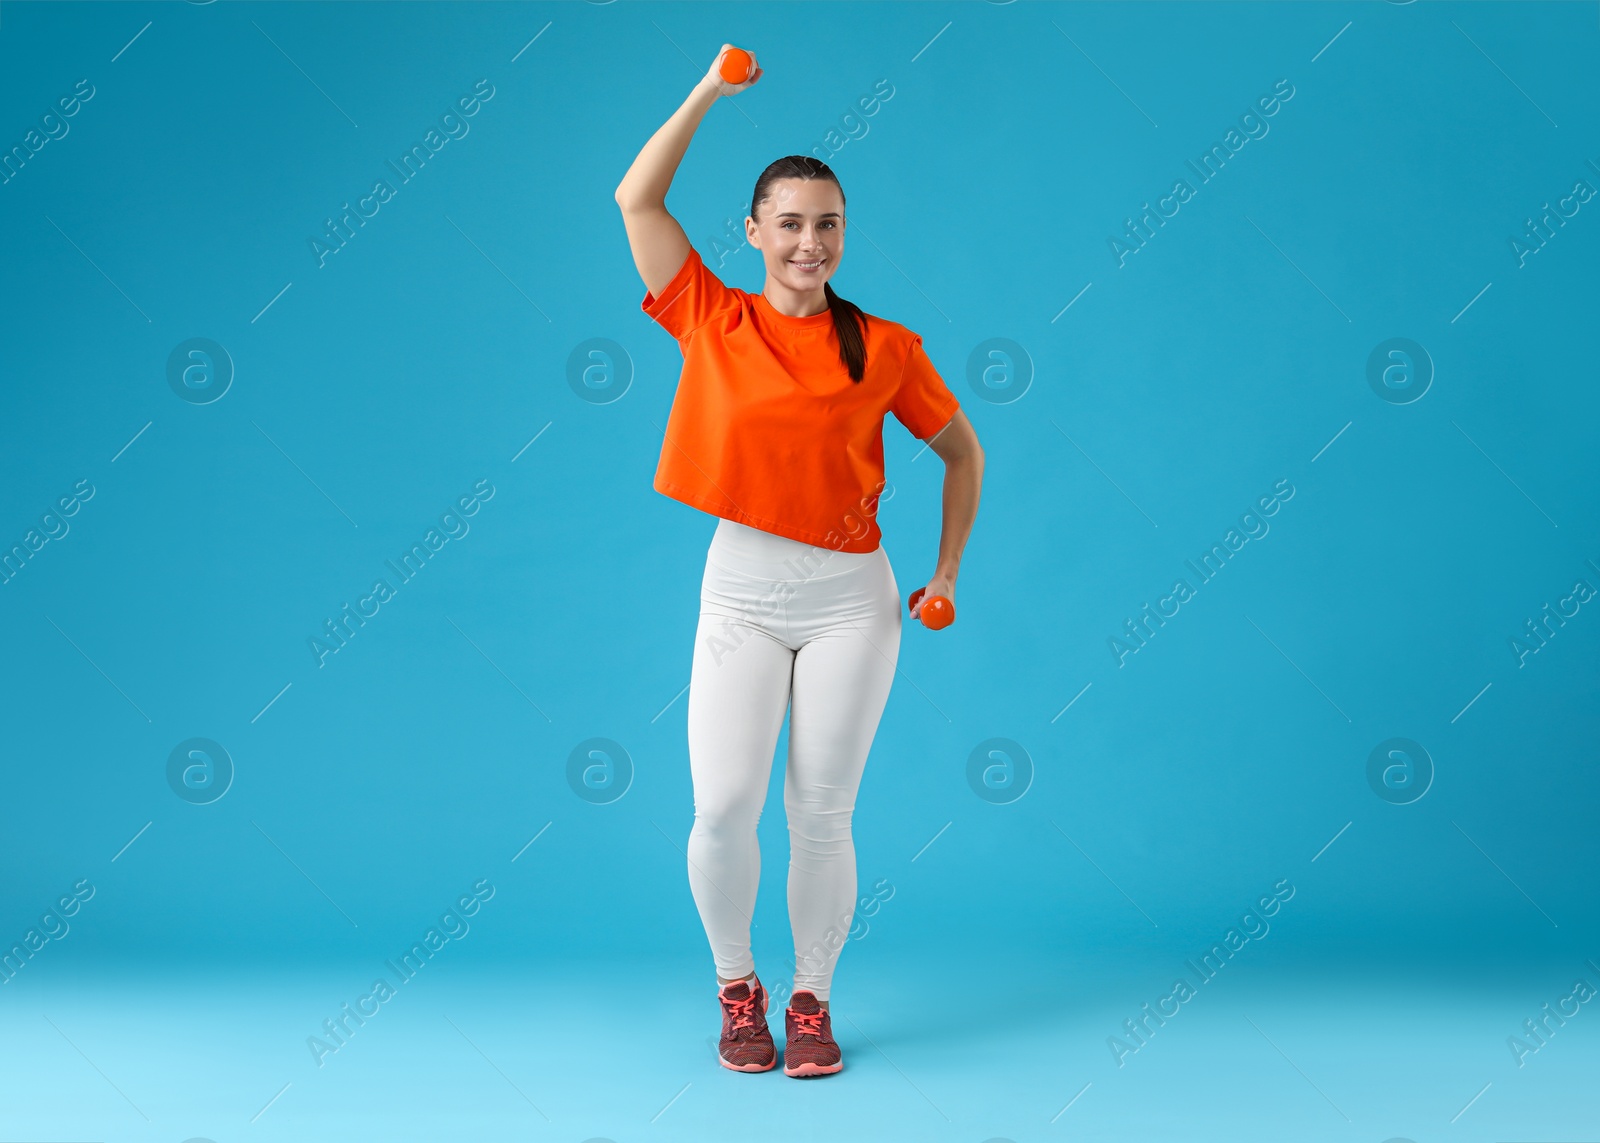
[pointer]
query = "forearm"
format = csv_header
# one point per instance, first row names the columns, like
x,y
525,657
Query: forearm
x,y
963,484
647,180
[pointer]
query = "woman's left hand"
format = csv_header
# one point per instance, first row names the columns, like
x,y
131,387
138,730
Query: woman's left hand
x,y
944,585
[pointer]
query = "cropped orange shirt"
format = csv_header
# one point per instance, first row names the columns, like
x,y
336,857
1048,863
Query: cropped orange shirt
x,y
768,429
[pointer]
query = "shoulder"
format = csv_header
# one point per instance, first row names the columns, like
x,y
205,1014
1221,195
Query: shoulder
x,y
890,335
712,273
892,342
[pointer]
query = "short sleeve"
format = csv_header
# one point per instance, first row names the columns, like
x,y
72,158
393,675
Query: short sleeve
x,y
922,403
693,297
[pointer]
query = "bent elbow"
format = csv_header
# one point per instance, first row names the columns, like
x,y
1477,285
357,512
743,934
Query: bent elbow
x,y
630,203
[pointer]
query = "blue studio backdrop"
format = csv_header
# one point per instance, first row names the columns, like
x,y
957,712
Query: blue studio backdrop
x,y
347,641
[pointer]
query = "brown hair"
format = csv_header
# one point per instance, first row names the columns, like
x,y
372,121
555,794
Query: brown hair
x,y
849,321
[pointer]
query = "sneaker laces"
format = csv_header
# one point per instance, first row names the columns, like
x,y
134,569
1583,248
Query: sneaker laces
x,y
742,1012
808,1023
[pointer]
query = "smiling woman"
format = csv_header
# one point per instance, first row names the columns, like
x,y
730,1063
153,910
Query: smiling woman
x,y
777,428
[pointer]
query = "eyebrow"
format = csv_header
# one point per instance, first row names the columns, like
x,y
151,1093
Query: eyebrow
x,y
796,214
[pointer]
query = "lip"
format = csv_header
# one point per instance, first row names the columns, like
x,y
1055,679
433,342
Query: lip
x,y
821,262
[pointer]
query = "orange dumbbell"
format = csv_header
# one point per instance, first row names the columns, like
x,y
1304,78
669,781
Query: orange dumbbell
x,y
736,66
937,611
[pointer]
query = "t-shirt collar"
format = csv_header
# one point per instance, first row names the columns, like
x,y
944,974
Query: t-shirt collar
x,y
769,312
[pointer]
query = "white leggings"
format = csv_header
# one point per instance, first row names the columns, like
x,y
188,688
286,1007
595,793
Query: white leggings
x,y
784,624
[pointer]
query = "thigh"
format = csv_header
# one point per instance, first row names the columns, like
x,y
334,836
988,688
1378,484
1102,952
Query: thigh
x,y
842,677
738,693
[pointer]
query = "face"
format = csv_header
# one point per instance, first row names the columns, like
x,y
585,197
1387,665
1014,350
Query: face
x,y
802,221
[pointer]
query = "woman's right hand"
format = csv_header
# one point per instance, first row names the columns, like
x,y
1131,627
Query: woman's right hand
x,y
722,86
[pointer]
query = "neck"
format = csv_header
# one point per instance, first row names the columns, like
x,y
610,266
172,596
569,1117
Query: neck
x,y
794,303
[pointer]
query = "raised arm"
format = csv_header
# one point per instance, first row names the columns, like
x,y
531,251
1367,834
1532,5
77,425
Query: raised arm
x,y
658,243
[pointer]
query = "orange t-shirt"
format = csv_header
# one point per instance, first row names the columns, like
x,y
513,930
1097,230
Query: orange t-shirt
x,y
768,429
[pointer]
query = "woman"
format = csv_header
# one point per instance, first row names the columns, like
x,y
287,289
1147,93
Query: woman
x,y
777,428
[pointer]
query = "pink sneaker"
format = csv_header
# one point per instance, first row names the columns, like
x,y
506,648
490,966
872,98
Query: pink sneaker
x,y
811,1050
746,1044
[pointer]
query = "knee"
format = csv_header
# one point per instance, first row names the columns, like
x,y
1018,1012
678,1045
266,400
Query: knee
x,y
726,814
820,828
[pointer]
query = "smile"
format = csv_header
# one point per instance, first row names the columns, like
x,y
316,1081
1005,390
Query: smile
x,y
808,267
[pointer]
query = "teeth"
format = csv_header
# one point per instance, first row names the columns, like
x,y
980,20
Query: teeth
x,y
809,265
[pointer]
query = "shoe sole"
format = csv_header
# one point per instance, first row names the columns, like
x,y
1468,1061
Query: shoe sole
x,y
807,1071
747,1067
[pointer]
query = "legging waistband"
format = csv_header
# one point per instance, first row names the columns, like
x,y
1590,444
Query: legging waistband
x,y
770,557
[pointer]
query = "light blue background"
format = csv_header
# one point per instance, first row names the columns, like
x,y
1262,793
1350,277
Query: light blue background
x,y
426,355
